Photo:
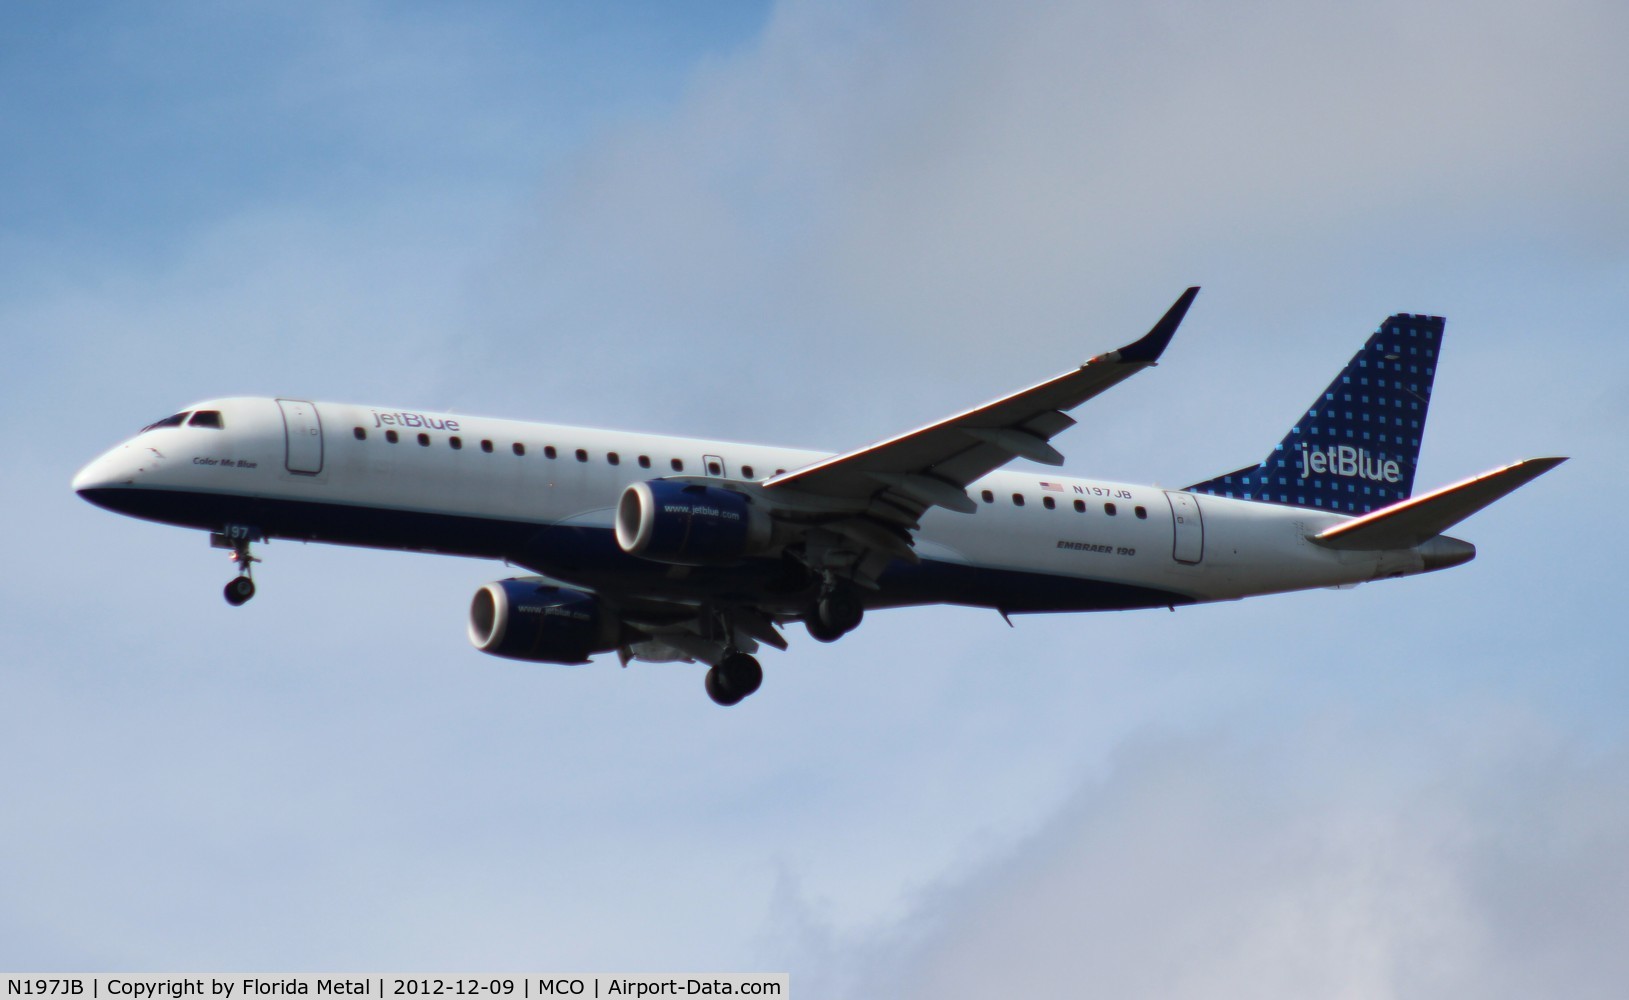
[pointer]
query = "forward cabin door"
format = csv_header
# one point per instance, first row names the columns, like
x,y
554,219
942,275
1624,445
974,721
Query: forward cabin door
x,y
302,430
1189,546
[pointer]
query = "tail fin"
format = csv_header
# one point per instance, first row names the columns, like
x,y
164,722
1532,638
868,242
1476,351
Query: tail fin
x,y
1356,448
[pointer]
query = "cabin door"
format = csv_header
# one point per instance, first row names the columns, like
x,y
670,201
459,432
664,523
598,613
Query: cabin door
x,y
302,431
1189,546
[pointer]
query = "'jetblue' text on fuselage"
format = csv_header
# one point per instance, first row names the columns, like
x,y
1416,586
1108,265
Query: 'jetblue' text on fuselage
x,y
403,418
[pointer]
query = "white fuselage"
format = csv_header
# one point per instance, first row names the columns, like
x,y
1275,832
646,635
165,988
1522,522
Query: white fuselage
x,y
544,495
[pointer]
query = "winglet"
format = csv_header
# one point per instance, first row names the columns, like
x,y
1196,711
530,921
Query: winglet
x,y
1153,343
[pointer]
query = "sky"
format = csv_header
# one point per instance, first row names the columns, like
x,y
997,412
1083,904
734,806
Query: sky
x,y
819,224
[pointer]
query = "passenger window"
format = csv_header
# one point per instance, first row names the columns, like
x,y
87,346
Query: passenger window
x,y
644,461
714,469
391,437
746,472
424,440
486,446
780,472
1141,512
1080,506
549,452
582,456
1018,499
206,418
1108,509
1049,503
361,434
988,496
519,448
678,464
456,442
613,458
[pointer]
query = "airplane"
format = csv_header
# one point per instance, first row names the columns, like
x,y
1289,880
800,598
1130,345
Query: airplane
x,y
665,549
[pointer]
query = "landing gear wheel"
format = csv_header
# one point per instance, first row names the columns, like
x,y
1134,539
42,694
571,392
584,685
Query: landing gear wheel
x,y
839,611
239,591
741,673
735,677
715,690
820,631
237,537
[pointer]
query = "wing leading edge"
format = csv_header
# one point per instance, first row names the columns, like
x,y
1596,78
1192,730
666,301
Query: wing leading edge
x,y
899,478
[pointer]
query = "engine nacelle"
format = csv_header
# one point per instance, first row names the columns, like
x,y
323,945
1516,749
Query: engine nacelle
x,y
532,620
690,524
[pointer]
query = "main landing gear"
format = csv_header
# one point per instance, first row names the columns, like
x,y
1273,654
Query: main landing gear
x,y
837,613
237,538
733,678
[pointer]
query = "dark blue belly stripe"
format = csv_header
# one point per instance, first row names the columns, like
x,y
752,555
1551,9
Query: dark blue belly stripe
x,y
590,556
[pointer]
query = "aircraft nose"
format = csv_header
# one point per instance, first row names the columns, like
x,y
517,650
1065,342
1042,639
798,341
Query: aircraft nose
x,y
115,468
93,476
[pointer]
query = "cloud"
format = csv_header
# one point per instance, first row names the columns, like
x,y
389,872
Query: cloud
x,y
1335,857
884,193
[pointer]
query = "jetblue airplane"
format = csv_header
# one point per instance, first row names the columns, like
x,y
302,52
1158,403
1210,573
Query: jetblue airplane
x,y
676,549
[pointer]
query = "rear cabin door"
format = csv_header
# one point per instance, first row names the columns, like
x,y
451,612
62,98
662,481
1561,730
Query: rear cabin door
x,y
1189,546
302,431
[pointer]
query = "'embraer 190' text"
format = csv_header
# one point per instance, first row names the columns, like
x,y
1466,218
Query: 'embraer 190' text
x,y
1345,460
403,418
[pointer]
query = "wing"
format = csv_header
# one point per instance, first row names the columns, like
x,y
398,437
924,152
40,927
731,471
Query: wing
x,y
846,518
886,487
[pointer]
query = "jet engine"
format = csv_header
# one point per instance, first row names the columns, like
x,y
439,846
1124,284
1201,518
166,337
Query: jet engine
x,y
532,620
690,524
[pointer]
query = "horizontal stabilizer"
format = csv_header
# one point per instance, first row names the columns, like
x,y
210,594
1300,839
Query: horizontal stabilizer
x,y
1409,523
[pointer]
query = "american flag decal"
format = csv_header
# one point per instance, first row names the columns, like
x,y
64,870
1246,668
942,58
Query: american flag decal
x,y
1052,487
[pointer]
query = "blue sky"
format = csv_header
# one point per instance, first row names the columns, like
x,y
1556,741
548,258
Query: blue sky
x,y
819,224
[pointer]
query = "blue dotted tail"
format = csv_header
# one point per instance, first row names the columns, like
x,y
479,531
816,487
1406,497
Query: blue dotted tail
x,y
1356,447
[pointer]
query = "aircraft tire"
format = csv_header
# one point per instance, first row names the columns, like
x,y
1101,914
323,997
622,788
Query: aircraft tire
x,y
741,674
819,631
717,691
840,611
239,590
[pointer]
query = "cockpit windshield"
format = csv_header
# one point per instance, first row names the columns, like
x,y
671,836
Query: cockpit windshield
x,y
176,420
199,418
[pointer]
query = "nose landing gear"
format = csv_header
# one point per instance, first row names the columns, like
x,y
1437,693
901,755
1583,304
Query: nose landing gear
x,y
237,538
239,591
